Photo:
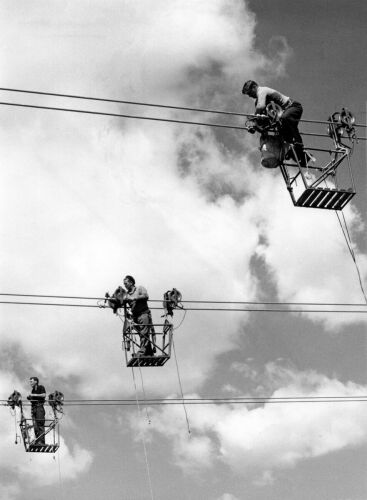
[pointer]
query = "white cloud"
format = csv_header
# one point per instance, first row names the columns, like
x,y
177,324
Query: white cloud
x,y
265,439
227,496
99,198
93,198
9,491
307,255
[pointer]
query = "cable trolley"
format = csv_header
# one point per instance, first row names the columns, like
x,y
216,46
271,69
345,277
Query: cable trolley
x,y
49,440
309,184
158,336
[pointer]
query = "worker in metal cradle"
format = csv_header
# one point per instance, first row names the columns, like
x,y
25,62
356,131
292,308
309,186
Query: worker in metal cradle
x,y
292,112
37,398
137,298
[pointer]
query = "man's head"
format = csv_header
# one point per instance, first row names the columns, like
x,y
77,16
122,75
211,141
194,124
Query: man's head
x,y
250,88
129,282
33,381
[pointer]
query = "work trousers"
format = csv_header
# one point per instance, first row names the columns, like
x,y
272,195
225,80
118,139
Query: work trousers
x,y
290,119
144,325
38,417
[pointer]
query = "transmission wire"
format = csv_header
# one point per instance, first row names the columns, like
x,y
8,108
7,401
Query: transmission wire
x,y
137,103
149,118
337,304
207,309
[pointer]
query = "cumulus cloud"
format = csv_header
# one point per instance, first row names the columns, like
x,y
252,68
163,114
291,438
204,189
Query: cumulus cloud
x,y
306,254
94,198
270,437
99,198
10,491
227,496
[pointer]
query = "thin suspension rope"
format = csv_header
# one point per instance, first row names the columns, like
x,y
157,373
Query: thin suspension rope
x,y
351,251
196,301
149,118
349,243
148,104
144,395
181,389
143,438
213,309
59,470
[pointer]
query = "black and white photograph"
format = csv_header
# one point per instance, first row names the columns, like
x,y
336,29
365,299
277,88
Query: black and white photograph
x,y
183,262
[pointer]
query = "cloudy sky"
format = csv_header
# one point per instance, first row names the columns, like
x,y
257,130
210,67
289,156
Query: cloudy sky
x,y
87,199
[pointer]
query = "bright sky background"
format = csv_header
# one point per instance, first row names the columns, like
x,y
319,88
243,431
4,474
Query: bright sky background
x,y
86,200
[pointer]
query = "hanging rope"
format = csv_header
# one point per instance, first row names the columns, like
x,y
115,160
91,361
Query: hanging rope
x,y
182,320
180,384
60,482
15,426
143,390
349,243
351,251
143,437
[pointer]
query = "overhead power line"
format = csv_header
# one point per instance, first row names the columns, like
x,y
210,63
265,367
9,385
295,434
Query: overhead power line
x,y
196,301
140,117
120,115
213,309
211,401
148,104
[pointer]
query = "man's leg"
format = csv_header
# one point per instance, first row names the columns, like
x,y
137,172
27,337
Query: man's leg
x,y
152,331
290,119
144,323
39,424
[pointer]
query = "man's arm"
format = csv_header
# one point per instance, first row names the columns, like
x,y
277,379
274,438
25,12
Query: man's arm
x,y
38,395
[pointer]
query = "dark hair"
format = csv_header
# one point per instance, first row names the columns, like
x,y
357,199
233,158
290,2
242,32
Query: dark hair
x,y
34,378
247,86
130,278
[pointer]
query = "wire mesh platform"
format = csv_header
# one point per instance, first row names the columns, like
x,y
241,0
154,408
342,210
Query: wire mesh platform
x,y
50,436
331,199
147,360
159,342
42,448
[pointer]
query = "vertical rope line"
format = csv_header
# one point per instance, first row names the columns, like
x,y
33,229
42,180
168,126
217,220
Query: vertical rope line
x,y
182,395
15,427
60,482
349,243
144,444
143,390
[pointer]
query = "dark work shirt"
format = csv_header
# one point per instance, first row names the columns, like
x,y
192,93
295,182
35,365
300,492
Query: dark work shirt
x,y
38,389
138,304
